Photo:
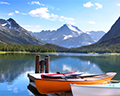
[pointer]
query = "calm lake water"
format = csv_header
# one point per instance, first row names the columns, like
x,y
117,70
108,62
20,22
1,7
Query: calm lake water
x,y
15,67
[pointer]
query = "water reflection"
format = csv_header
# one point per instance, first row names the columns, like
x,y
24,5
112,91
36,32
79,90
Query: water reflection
x,y
12,65
15,67
68,64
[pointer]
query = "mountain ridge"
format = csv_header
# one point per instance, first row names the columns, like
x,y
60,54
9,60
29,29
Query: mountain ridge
x,y
113,32
65,36
12,33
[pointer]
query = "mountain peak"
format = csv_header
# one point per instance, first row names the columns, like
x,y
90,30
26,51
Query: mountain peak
x,y
10,19
12,24
72,28
13,33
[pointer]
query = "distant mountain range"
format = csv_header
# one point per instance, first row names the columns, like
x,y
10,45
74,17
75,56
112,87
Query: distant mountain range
x,y
69,36
66,36
12,33
96,35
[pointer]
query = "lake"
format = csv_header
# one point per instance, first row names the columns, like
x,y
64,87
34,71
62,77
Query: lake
x,y
15,67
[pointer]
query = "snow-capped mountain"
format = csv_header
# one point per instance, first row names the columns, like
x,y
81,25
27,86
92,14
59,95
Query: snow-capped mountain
x,y
12,33
66,36
11,24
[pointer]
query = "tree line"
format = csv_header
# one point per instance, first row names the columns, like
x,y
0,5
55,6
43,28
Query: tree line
x,y
98,48
94,48
25,48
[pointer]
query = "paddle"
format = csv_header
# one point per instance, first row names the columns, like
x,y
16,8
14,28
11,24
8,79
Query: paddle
x,y
91,76
63,76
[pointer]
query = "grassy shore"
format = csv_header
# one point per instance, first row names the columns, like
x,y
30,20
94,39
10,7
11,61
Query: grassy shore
x,y
106,53
112,53
3,52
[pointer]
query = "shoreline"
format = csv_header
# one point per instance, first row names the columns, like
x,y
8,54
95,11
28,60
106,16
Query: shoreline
x,y
4,52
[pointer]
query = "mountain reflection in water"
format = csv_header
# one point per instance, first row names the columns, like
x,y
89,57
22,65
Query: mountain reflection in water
x,y
12,65
15,67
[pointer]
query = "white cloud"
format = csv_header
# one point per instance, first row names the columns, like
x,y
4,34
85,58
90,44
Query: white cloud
x,y
88,4
4,3
36,2
16,11
10,14
40,12
53,17
43,13
118,4
67,20
91,22
98,5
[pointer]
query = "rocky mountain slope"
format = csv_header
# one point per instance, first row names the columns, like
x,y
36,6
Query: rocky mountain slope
x,y
109,43
113,32
12,33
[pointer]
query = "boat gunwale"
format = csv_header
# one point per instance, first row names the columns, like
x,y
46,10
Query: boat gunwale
x,y
77,80
112,86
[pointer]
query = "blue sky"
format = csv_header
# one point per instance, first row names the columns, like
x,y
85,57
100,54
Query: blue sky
x,y
37,15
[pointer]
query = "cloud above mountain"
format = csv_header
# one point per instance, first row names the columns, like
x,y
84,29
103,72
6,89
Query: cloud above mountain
x,y
57,12
40,12
118,4
43,12
89,4
98,5
91,22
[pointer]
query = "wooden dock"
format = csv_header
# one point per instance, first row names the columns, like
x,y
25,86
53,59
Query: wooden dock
x,y
42,64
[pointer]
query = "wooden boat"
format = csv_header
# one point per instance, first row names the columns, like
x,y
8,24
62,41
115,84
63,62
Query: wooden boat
x,y
112,89
51,85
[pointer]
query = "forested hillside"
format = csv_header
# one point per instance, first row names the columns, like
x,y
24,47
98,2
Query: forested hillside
x,y
25,48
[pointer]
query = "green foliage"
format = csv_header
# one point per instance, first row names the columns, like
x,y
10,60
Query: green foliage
x,y
25,48
57,48
98,48
94,48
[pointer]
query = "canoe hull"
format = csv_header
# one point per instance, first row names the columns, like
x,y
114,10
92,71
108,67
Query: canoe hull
x,y
100,90
46,86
